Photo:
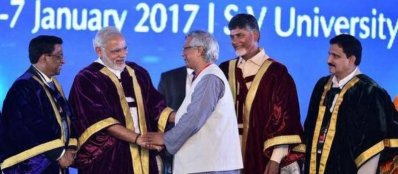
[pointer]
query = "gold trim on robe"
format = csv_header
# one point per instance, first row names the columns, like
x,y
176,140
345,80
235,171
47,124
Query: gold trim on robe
x,y
141,119
164,116
280,140
364,156
331,130
232,78
59,88
44,147
73,142
53,105
55,108
391,143
249,98
139,156
95,128
32,152
299,148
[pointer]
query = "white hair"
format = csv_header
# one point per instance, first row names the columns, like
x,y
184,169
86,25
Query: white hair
x,y
104,34
207,41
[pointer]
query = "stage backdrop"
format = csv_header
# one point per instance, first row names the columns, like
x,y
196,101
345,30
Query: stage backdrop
x,y
295,33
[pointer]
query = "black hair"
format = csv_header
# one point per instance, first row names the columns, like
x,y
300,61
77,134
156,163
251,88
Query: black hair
x,y
350,45
43,44
243,20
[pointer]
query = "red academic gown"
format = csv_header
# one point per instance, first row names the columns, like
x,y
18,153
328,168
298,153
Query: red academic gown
x,y
270,114
98,99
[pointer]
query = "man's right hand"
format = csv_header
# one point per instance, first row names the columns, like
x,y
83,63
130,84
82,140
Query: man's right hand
x,y
152,140
67,159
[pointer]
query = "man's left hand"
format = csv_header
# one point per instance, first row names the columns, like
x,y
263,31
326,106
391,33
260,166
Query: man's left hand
x,y
172,117
272,167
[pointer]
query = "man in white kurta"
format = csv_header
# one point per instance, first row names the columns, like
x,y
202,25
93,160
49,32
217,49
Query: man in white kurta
x,y
205,138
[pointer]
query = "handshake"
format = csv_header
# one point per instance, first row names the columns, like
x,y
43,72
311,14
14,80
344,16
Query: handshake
x,y
150,140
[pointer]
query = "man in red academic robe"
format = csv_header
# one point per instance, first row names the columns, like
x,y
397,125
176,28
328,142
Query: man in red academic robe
x,y
266,102
115,102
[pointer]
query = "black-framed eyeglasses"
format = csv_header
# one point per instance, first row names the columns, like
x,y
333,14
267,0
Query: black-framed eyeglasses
x,y
57,56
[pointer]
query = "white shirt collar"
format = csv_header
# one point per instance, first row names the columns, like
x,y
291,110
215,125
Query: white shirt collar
x,y
189,71
345,80
114,71
258,59
43,76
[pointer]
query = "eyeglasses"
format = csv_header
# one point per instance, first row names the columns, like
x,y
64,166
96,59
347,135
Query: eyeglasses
x,y
57,56
188,47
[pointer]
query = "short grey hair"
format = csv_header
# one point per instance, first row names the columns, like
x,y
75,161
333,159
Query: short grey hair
x,y
104,34
207,41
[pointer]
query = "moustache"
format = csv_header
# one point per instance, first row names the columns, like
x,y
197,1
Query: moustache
x,y
330,64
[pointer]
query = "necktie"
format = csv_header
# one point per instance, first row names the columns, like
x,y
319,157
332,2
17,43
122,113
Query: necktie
x,y
193,76
63,108
330,97
51,85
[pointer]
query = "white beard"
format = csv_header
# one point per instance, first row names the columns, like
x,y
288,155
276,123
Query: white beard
x,y
240,52
119,67
113,64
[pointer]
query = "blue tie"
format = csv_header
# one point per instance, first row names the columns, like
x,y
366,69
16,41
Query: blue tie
x,y
63,109
52,85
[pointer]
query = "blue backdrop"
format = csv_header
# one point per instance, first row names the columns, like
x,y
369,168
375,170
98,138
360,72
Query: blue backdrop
x,y
295,33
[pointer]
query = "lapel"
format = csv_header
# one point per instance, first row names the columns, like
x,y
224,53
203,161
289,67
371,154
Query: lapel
x,y
181,78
